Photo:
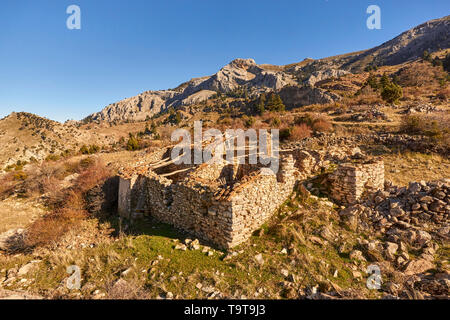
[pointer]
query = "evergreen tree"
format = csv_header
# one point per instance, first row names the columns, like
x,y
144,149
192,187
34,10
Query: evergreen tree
x,y
133,143
446,63
261,105
384,81
391,92
275,103
372,81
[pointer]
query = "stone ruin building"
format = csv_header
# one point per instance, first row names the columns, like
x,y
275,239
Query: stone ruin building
x,y
224,203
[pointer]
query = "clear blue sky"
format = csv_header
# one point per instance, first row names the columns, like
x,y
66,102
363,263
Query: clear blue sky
x,y
126,47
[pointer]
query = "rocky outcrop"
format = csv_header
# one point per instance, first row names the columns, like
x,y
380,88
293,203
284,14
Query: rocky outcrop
x,y
324,74
136,108
432,35
295,96
238,73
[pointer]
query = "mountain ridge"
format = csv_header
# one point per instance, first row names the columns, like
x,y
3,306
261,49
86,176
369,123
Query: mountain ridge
x,y
432,35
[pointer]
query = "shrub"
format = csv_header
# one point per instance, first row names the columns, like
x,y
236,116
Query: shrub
x,y
285,133
318,122
248,121
384,81
93,148
84,149
322,125
20,176
412,124
300,132
391,92
426,56
69,210
86,162
177,117
372,81
433,127
52,157
261,104
276,122
446,63
132,143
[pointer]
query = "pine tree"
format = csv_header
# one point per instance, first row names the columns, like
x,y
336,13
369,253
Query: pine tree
x,y
384,81
133,143
372,81
275,103
391,92
446,63
261,105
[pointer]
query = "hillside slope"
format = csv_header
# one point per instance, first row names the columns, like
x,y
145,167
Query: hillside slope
x,y
25,136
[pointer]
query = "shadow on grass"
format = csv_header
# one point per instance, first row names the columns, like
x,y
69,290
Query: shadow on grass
x,y
152,227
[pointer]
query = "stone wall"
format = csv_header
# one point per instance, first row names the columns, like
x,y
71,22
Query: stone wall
x,y
193,205
351,180
124,198
225,203
257,201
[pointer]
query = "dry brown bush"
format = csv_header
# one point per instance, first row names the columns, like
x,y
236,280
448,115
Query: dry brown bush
x,y
299,132
322,125
7,185
50,228
129,289
435,126
316,121
91,176
419,74
68,206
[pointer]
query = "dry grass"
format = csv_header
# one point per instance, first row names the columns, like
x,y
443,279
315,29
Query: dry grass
x,y
401,168
18,213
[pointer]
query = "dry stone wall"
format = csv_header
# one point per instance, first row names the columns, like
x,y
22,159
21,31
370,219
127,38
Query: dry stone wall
x,y
257,201
351,180
192,204
225,203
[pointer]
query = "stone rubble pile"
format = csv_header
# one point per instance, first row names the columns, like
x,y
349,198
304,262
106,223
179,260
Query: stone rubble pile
x,y
371,115
420,108
413,219
421,203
